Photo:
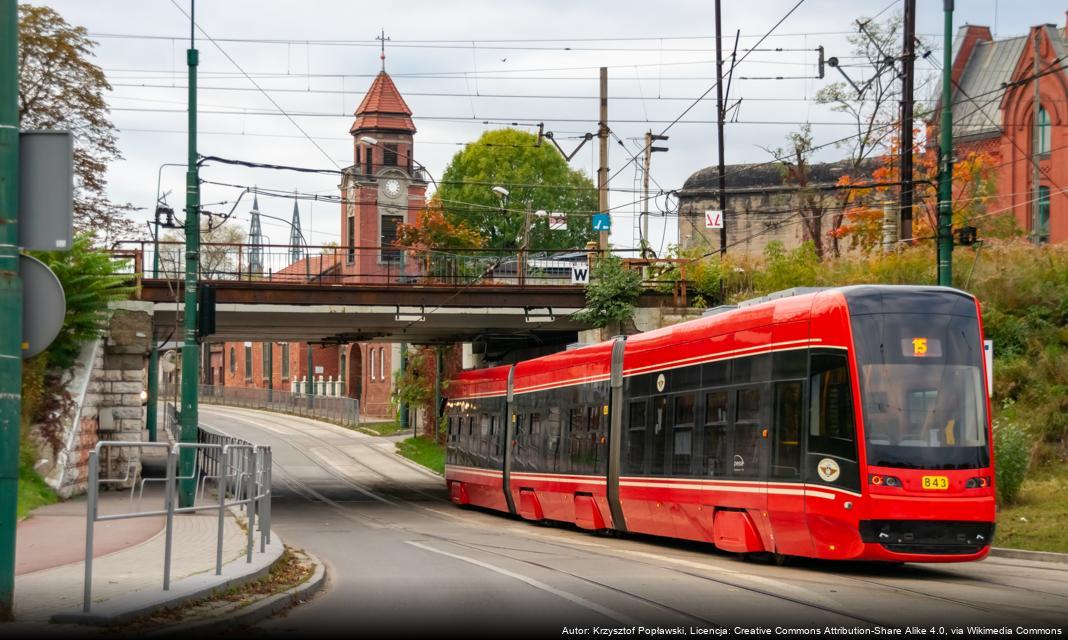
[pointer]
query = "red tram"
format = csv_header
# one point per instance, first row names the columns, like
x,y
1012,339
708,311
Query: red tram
x,y
848,423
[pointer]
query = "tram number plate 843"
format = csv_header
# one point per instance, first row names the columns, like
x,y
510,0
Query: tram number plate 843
x,y
935,482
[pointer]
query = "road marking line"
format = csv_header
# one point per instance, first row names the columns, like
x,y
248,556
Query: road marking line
x,y
579,600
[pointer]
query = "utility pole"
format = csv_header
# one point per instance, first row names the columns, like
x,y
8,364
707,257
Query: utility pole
x,y
719,129
648,158
945,157
10,301
602,169
908,60
190,352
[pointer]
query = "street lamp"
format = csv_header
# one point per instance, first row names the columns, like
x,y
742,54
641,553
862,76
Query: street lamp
x,y
504,194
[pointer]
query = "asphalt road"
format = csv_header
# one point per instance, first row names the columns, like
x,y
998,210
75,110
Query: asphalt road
x,y
402,560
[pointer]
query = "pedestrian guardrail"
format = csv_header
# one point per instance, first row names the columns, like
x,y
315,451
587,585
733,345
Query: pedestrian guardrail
x,y
239,470
340,410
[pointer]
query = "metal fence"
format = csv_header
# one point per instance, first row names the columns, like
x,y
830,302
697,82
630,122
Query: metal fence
x,y
342,411
239,470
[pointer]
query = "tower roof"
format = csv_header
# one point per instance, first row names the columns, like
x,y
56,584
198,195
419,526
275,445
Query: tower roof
x,y
383,108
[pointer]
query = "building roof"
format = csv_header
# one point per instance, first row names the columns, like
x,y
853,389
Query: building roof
x,y
988,68
764,175
383,108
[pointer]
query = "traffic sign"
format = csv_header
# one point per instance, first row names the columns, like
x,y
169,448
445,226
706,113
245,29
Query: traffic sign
x,y
43,306
602,222
580,274
713,219
557,221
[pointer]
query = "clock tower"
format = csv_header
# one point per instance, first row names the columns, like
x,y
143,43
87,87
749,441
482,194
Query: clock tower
x,y
382,189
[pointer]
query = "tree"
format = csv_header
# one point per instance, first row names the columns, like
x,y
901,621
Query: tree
x,y
218,251
536,176
60,88
434,230
974,187
811,203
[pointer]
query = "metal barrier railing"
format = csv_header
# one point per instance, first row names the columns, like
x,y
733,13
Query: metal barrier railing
x,y
337,409
241,472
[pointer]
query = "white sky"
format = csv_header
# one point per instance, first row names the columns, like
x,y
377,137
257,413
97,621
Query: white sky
x,y
661,58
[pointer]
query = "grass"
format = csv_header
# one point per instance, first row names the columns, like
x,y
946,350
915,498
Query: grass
x,y
425,451
33,492
1038,520
380,428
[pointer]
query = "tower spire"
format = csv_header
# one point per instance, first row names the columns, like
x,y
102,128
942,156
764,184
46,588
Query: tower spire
x,y
382,38
296,238
255,239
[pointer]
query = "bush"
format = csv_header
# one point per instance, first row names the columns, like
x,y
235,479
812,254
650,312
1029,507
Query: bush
x,y
612,293
1012,456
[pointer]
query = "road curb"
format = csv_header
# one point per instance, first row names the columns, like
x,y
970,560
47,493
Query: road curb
x,y
1022,554
255,612
183,591
415,465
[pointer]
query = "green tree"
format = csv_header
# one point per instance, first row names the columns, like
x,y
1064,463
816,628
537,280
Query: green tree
x,y
612,294
60,88
535,175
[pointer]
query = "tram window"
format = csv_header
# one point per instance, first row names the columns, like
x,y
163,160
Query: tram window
x,y
682,434
484,424
635,458
786,462
748,432
593,439
831,428
789,364
715,374
752,369
685,378
714,454
659,436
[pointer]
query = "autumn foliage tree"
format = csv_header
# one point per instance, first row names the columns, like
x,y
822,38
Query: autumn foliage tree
x,y
434,230
974,190
60,88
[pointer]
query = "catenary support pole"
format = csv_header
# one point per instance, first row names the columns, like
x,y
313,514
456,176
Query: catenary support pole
x,y
10,302
190,349
719,142
402,413
908,62
602,168
945,157
151,405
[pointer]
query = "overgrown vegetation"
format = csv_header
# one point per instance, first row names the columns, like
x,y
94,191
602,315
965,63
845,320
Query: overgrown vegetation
x,y
425,451
612,293
33,492
1038,518
1012,456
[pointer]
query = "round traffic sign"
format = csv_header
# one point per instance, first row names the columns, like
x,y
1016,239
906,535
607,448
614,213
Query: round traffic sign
x,y
43,305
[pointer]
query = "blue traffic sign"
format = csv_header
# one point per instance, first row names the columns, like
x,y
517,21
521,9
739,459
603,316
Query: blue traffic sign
x,y
601,222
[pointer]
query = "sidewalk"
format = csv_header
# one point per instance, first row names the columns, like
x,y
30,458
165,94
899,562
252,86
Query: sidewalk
x,y
128,555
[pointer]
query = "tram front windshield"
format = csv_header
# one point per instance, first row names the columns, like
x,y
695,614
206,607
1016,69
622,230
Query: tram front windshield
x,y
922,390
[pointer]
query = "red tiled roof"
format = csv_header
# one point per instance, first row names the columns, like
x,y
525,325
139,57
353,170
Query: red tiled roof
x,y
383,108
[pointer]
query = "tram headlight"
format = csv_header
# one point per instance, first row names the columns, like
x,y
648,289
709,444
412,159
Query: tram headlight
x,y
981,482
884,481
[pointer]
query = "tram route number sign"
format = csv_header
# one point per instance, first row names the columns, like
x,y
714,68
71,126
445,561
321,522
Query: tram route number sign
x,y
714,219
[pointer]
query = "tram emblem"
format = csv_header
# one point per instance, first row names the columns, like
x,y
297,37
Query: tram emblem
x,y
661,382
828,470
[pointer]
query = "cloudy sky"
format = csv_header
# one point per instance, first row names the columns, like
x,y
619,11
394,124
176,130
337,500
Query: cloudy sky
x,y
460,65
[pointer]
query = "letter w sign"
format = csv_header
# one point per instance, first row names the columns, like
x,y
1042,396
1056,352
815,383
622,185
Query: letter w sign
x,y
580,274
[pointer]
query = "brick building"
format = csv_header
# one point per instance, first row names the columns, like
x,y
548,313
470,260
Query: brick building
x,y
382,189
1000,107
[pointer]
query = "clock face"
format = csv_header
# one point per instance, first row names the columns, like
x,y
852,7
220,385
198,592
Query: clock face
x,y
393,188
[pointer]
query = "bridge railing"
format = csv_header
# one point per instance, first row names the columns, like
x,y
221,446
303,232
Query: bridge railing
x,y
339,410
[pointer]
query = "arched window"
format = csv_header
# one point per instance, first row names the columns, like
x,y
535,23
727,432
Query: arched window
x,y
382,363
372,368
1043,132
233,361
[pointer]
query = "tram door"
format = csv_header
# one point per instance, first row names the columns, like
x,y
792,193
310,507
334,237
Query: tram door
x,y
786,502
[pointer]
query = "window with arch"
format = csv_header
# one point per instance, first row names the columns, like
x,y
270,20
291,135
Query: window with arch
x,y
233,361
248,362
372,351
1043,132
381,363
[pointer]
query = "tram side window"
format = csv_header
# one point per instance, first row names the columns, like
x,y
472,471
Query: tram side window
x,y
553,424
747,432
520,450
716,460
593,440
536,442
682,435
831,428
635,454
659,439
786,460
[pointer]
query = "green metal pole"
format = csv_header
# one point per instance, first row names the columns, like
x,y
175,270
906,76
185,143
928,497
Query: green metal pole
x,y
438,371
153,391
945,158
10,302
190,349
